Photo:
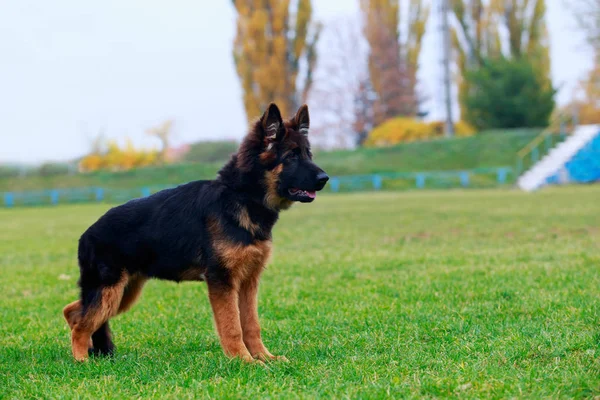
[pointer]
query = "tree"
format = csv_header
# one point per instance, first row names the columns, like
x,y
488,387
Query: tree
x,y
589,109
274,50
586,102
477,36
115,158
340,85
474,37
393,58
364,116
507,93
528,34
163,133
404,129
587,15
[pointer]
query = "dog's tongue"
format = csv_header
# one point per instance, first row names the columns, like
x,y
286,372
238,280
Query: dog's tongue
x,y
312,194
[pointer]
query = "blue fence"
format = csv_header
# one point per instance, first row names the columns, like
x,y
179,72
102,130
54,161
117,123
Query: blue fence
x,y
478,178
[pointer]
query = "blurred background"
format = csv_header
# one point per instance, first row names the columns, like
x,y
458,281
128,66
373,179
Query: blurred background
x,y
121,99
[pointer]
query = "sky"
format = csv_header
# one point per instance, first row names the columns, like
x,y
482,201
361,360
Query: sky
x,y
70,69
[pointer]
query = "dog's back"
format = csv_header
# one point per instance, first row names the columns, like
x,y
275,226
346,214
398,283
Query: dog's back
x,y
157,236
215,231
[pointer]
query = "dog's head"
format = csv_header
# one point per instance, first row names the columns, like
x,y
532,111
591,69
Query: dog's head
x,y
291,175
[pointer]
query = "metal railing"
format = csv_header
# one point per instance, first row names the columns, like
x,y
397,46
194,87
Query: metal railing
x,y
476,178
544,142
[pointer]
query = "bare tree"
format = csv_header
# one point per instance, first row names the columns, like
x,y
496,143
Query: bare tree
x,y
393,57
98,142
163,133
586,97
340,79
587,16
364,110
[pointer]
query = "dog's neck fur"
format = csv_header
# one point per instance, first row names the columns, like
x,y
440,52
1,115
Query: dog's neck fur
x,y
245,174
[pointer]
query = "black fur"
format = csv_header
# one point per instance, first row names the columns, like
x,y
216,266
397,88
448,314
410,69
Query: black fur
x,y
103,345
166,235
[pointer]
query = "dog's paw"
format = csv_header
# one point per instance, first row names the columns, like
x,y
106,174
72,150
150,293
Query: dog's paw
x,y
266,357
80,358
102,352
258,362
247,358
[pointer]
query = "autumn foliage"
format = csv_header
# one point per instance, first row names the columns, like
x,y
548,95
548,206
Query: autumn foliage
x,y
115,158
393,58
587,106
402,129
270,46
515,29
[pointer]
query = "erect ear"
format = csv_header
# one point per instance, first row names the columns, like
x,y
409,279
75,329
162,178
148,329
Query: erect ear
x,y
302,120
272,123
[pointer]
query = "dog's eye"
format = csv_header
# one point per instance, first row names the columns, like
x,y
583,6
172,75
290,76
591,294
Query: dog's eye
x,y
292,155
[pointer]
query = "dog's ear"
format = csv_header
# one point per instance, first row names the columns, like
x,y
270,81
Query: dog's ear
x,y
272,124
302,120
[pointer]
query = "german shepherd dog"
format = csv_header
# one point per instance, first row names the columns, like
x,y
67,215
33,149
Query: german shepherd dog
x,y
218,231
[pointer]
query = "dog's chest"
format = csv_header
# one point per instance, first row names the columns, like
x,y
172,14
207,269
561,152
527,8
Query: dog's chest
x,y
243,261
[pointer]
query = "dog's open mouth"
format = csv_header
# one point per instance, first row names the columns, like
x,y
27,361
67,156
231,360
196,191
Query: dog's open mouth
x,y
307,195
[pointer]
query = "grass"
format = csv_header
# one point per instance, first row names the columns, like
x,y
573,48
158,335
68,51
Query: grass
x,y
490,149
473,294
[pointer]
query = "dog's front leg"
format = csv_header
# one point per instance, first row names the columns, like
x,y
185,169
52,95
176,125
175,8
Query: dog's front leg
x,y
224,303
248,298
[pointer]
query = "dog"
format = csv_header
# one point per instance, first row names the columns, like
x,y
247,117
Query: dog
x,y
217,231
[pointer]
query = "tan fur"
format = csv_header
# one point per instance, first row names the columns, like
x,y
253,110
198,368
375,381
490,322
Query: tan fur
x,y
245,264
267,157
95,316
72,313
240,260
248,303
226,313
246,222
272,199
132,292
193,274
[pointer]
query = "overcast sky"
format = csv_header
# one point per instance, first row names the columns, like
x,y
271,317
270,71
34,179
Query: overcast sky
x,y
70,68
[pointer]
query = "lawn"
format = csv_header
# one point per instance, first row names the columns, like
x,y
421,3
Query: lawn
x,y
475,294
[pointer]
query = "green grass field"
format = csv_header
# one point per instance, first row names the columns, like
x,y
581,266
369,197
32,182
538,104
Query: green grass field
x,y
475,294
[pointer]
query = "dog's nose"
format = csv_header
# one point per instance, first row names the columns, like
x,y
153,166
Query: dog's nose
x,y
322,179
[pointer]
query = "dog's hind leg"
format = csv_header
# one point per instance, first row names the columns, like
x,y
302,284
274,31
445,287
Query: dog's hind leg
x,y
102,339
72,313
132,292
104,304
